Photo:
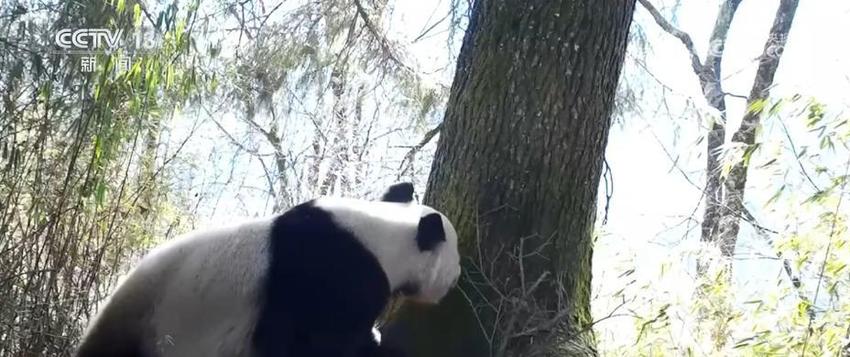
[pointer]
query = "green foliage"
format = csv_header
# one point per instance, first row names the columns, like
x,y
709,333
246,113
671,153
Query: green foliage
x,y
72,192
804,186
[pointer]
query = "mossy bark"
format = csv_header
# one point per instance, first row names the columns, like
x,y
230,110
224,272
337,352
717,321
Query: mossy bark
x,y
517,169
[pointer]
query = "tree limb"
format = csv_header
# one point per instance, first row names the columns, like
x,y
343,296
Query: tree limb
x,y
408,158
379,36
735,184
681,35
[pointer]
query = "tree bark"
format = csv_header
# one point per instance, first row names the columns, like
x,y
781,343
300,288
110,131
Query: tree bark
x,y
735,184
517,169
712,88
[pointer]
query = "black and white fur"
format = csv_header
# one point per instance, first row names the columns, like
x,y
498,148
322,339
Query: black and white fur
x,y
306,283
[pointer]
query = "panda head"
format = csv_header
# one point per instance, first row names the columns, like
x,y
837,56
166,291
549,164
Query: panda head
x,y
414,244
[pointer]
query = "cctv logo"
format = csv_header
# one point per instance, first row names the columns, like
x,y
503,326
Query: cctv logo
x,y
88,38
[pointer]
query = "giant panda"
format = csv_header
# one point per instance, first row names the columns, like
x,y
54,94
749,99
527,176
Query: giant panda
x,y
309,282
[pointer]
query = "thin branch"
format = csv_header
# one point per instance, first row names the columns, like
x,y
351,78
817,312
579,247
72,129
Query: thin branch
x,y
270,136
610,315
739,96
379,36
148,16
681,35
797,156
408,158
233,140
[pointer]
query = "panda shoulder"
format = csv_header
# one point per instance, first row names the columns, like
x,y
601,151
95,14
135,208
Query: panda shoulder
x,y
223,239
357,212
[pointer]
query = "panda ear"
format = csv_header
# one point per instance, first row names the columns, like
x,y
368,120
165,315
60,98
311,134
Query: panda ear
x,y
400,192
430,232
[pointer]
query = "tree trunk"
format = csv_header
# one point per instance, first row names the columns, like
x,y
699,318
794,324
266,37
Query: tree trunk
x,y
735,184
710,80
724,198
517,170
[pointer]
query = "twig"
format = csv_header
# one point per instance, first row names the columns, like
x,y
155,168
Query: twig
x,y
408,158
382,40
681,35
797,156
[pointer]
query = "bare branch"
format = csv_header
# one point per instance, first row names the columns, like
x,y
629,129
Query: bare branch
x,y
270,136
379,36
230,136
681,35
408,158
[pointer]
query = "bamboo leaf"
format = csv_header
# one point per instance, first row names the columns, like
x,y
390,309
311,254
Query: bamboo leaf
x,y
757,106
137,15
100,192
169,76
775,196
776,107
